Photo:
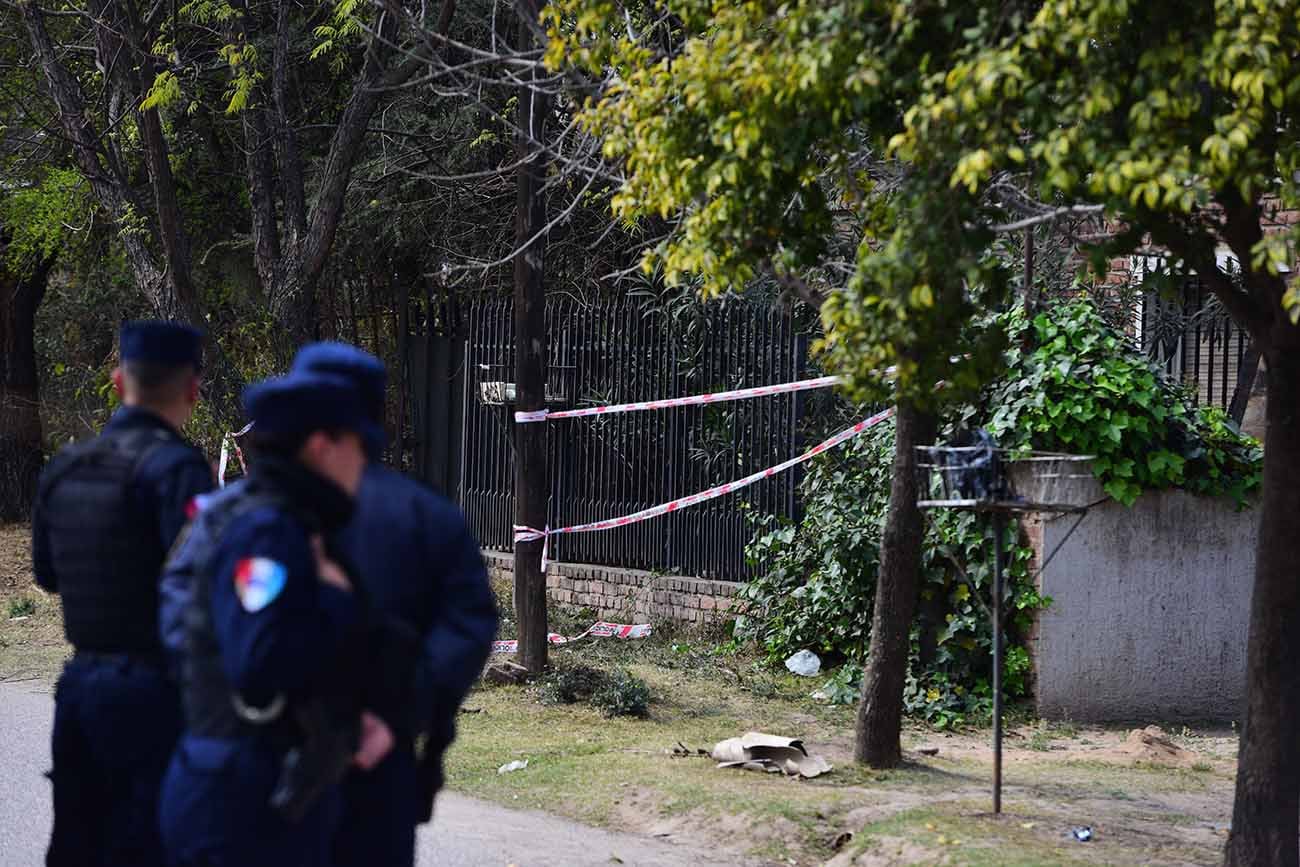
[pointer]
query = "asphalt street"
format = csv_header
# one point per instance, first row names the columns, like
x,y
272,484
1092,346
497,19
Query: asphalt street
x,y
464,832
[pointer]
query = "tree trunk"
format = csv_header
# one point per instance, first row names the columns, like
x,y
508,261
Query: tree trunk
x,y
20,413
1246,374
1267,804
530,360
880,713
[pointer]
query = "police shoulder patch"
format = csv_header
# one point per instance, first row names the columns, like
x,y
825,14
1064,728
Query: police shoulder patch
x,y
258,580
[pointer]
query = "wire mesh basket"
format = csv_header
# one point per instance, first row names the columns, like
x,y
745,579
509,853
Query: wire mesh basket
x,y
981,476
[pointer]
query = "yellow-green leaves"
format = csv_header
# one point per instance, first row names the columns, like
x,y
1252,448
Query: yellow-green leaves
x,y
165,91
245,76
345,28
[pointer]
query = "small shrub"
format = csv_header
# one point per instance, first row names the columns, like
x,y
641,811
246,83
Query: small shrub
x,y
572,685
844,686
762,687
21,607
622,695
1041,740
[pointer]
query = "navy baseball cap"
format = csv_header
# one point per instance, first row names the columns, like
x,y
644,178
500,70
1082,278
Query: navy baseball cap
x,y
157,342
301,402
363,370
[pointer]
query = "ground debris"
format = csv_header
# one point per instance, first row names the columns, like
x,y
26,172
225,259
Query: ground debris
x,y
504,673
681,751
1151,745
756,751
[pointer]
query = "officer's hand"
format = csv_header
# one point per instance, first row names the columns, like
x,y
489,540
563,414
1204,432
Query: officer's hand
x,y
376,741
329,571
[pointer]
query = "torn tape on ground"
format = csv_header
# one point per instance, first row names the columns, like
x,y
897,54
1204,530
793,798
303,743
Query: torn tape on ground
x,y
599,629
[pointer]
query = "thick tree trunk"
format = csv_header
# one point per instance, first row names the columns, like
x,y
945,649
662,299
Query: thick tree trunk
x,y
530,363
880,713
1267,805
20,412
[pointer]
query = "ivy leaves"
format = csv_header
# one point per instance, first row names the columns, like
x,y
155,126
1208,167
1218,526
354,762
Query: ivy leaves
x,y
1083,390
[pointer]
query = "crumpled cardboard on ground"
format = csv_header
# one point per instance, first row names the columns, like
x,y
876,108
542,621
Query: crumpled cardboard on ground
x,y
757,751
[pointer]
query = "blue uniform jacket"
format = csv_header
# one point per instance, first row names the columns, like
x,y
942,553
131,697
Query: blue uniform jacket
x,y
419,562
277,623
166,484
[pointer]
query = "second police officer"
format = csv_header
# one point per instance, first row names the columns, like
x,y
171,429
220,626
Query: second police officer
x,y
273,642
419,562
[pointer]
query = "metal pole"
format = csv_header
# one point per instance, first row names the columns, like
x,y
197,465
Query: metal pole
x,y
999,522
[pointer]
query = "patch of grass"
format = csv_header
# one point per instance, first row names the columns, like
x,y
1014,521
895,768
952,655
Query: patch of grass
x,y
22,606
31,635
619,772
1065,729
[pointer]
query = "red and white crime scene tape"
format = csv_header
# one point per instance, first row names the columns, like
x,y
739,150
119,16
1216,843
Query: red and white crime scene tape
x,y
227,441
529,534
692,400
599,629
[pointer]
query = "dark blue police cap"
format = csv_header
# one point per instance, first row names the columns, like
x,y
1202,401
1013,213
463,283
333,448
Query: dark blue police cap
x,y
356,365
301,402
158,342
363,370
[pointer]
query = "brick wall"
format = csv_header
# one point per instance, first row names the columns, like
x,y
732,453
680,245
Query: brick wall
x,y
629,595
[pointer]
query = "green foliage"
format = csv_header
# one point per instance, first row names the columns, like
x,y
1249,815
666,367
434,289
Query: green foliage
x,y
622,695
165,91
572,684
346,27
758,129
1084,391
38,218
818,589
21,606
1177,118
819,582
616,693
244,75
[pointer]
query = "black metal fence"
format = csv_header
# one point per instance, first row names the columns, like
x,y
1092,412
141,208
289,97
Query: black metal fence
x,y
606,466
1192,337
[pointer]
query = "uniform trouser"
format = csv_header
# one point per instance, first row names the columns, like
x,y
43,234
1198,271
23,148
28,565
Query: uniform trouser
x,y
380,814
216,812
115,722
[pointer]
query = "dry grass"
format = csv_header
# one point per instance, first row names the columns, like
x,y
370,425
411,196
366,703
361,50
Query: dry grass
x,y
31,623
934,810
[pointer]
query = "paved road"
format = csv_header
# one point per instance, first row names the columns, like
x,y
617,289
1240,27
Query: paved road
x,y
465,833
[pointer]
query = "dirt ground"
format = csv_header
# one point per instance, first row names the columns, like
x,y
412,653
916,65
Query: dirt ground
x,y
1161,798
31,624
1150,796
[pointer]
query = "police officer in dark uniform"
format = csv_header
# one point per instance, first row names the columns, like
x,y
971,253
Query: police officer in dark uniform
x,y
418,561
106,513
271,651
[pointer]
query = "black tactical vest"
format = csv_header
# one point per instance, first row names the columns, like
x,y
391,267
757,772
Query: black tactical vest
x,y
212,709
104,545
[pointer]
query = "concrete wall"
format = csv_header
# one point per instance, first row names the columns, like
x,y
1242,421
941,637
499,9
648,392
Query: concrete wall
x,y
630,595
1150,611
